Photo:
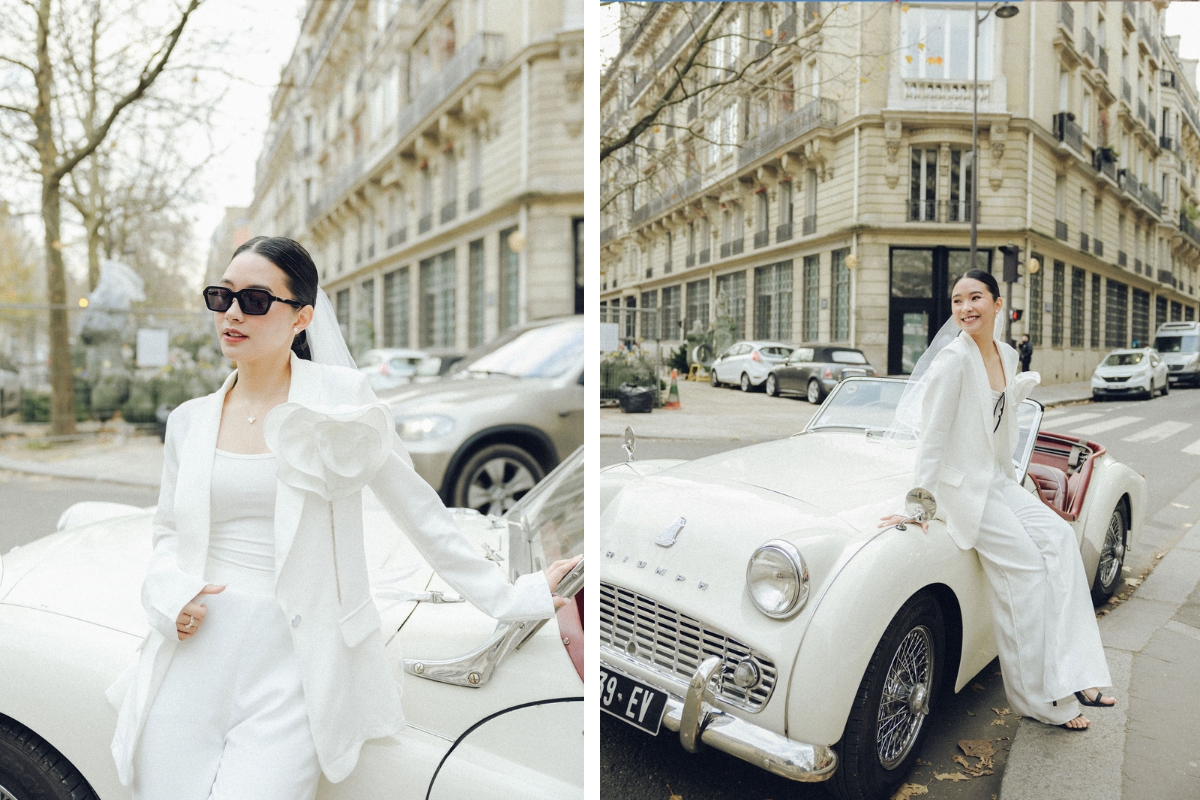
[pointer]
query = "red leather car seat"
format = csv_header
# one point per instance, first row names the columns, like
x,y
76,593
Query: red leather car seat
x,y
1051,485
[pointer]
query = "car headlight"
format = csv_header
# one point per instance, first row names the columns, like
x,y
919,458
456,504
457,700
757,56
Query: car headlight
x,y
778,579
426,426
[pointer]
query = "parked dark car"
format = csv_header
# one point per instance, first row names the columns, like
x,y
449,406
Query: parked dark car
x,y
813,370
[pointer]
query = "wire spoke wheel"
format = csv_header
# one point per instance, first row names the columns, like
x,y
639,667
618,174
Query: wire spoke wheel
x,y
903,705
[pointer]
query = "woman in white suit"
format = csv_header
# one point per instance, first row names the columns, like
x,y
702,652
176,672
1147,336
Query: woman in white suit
x,y
1051,656
265,664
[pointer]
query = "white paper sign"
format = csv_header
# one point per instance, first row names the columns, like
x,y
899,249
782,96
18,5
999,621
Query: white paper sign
x,y
609,340
152,347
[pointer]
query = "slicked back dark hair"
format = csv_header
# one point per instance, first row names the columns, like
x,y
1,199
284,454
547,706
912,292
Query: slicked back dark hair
x,y
983,277
299,271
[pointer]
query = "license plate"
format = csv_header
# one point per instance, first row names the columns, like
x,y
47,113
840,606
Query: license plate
x,y
640,705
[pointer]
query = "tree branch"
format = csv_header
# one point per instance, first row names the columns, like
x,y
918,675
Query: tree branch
x,y
18,63
149,73
16,110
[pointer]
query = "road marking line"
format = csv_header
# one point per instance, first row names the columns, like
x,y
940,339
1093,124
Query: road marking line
x,y
1158,432
1107,425
1193,449
1073,419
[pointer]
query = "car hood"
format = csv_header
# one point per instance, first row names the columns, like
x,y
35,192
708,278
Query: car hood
x,y
1121,372
450,394
824,493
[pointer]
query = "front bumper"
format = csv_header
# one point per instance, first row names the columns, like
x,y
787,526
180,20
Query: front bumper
x,y
696,720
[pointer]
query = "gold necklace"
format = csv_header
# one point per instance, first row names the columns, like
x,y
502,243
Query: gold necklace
x,y
254,416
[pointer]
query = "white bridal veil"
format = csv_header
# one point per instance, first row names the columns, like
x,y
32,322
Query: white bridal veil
x,y
325,342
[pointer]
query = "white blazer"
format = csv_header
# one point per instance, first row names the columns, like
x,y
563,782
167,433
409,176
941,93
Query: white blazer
x,y
957,446
349,688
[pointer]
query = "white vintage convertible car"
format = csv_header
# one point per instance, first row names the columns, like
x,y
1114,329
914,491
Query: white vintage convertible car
x,y
749,601
494,711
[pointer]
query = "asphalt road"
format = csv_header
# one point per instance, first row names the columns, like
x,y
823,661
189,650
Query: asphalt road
x,y
1159,438
30,505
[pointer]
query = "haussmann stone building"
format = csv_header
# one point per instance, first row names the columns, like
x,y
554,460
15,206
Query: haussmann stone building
x,y
825,195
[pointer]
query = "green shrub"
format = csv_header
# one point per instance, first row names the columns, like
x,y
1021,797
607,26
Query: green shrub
x,y
109,394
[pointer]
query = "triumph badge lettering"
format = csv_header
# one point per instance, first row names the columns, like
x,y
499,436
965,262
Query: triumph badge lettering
x,y
668,536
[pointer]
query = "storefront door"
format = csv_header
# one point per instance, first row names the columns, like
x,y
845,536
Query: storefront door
x,y
920,299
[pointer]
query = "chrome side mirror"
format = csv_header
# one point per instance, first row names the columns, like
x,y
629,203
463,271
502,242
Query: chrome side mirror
x,y
628,443
919,506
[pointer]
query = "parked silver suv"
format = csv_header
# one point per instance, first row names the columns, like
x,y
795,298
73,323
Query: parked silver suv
x,y
1179,345
503,418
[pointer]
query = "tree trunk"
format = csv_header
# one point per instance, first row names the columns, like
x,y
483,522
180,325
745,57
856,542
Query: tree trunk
x,y
62,383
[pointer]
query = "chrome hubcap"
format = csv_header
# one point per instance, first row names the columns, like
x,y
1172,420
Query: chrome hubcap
x,y
813,393
496,486
1114,551
905,701
5,794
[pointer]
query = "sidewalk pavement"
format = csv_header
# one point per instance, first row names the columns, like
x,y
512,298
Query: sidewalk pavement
x,y
1148,746
730,414
115,454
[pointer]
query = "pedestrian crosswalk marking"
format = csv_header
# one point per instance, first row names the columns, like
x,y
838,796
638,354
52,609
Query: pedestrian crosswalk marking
x,y
1158,432
1193,449
1069,420
1106,425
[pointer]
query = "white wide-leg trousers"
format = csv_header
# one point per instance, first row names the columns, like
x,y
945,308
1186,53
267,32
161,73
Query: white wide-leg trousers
x,y
1042,610
229,722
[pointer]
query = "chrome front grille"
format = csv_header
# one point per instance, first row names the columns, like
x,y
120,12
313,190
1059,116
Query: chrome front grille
x,y
674,644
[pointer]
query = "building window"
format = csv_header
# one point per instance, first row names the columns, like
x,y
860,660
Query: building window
x,y
426,220
475,293
1176,311
577,233
784,231
364,320
937,43
1095,312
670,312
1035,304
1141,318
1056,307
840,324
475,194
649,315
630,317
762,234
922,197
449,185
1078,283
1160,311
343,313
812,298
697,306
510,281
960,185
810,202
731,301
1060,207
395,308
437,280
1116,316
773,302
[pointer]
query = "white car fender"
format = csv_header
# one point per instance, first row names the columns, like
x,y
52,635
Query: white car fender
x,y
55,672
1110,481
852,616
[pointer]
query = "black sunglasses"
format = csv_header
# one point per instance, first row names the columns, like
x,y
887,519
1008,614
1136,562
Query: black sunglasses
x,y
254,302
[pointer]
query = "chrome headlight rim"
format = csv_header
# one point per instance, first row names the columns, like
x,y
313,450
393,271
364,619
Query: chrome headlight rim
x,y
437,427
799,566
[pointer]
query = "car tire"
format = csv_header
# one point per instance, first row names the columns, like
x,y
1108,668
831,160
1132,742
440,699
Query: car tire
x,y
1166,390
31,768
815,393
772,385
517,470
712,377
1112,557
745,384
914,642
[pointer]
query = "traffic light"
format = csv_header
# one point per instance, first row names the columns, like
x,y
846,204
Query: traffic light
x,y
1011,254
1016,314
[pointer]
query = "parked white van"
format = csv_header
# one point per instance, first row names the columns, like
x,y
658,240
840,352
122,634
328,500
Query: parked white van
x,y
1179,345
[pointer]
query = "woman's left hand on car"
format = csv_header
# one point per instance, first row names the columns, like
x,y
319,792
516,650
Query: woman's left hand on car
x,y
555,573
896,519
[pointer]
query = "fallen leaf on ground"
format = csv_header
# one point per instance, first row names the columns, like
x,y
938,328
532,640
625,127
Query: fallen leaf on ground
x,y
978,687
909,790
1001,712
999,722
1159,556
923,763
673,795
1179,505
951,776
978,748
970,713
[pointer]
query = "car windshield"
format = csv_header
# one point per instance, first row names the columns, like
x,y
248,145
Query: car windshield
x,y
543,352
1177,344
775,352
1122,359
546,525
848,357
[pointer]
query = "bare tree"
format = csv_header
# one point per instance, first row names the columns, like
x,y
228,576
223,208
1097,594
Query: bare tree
x,y
60,144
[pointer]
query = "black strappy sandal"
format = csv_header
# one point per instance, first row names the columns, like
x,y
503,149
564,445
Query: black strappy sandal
x,y
1067,727
1083,700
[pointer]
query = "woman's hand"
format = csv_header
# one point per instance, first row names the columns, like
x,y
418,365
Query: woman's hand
x,y
896,519
555,573
193,613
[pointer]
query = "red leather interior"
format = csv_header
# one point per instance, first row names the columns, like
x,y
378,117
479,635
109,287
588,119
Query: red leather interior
x,y
570,627
1059,487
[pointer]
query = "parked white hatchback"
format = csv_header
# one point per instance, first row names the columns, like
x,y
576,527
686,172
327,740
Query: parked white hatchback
x,y
746,364
1140,371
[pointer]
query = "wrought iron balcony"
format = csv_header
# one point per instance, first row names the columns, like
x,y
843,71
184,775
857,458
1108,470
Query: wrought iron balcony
x,y
762,239
690,261
960,211
784,232
1127,183
449,211
1084,242
1089,44
1137,266
738,245
705,256
667,268
1126,91
1165,276
425,223
1060,229
474,198
1098,247
1102,60
1150,200
1067,131
725,249
820,113
810,224
1122,258
1141,109
1189,228
1166,78
1104,161
396,238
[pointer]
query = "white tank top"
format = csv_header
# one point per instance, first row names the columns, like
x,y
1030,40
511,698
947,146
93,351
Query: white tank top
x,y
242,512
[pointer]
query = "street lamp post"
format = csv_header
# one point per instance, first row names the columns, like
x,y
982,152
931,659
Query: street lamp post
x,y
1003,11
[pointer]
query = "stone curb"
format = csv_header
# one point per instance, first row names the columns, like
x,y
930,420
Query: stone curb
x,y
66,471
